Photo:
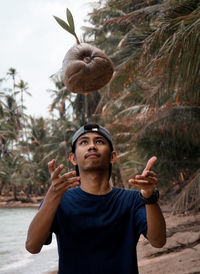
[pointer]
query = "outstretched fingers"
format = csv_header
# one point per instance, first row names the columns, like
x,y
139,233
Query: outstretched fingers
x,y
139,179
56,173
147,181
151,173
143,184
150,163
65,185
61,183
51,166
66,181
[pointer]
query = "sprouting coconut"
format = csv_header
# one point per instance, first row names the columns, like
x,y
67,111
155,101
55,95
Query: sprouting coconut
x,y
85,67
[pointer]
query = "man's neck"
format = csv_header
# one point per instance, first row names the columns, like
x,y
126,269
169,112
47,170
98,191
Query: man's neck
x,y
95,183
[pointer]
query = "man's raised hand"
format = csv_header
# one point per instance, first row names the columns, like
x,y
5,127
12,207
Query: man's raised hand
x,y
147,181
62,183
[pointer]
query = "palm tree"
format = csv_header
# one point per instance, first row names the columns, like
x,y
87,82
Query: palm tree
x,y
79,106
12,72
38,129
11,119
22,88
11,153
61,95
9,156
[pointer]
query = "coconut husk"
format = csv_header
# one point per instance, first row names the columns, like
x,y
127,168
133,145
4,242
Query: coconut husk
x,y
86,68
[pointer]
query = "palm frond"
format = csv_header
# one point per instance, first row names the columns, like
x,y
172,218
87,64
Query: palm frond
x,y
171,54
189,198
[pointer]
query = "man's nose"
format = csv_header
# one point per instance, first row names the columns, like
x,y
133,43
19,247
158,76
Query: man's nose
x,y
92,146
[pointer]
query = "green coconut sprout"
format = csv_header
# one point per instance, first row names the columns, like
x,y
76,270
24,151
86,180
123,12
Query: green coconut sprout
x,y
69,27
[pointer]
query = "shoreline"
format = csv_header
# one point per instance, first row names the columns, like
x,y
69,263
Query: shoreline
x,y
18,205
9,202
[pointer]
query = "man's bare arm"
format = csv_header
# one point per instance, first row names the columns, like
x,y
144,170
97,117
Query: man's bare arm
x,y
156,227
40,226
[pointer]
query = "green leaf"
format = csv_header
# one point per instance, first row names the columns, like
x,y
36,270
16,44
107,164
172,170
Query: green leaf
x,y
64,25
70,20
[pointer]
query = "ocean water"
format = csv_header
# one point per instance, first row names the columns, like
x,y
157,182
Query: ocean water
x,y
14,259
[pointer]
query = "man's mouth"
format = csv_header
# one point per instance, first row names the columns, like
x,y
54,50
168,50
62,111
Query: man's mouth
x,y
92,155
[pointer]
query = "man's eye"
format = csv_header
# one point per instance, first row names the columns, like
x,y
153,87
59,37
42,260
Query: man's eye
x,y
100,142
83,142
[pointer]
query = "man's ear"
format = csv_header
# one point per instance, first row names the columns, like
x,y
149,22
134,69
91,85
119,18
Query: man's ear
x,y
72,158
113,157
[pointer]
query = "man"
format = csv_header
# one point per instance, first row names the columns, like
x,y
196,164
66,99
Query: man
x,y
97,226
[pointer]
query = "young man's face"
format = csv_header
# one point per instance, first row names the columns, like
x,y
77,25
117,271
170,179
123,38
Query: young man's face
x,y
92,152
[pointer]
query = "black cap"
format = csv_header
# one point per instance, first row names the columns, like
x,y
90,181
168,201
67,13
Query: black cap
x,y
92,128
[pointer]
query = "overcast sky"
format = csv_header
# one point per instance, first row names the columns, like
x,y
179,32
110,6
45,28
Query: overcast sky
x,y
34,44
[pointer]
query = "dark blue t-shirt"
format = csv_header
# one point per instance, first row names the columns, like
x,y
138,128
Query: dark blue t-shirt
x,y
98,234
